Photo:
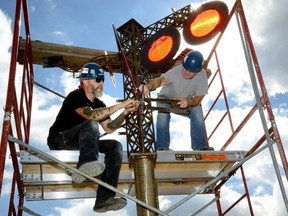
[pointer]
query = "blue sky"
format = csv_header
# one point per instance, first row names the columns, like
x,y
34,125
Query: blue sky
x,y
88,24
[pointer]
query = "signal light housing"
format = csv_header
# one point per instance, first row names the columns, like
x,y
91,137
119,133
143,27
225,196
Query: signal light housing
x,y
160,48
201,25
205,22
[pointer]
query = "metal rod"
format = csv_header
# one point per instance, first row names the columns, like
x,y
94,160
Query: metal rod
x,y
38,84
240,126
23,208
10,93
224,92
247,191
171,110
204,207
234,204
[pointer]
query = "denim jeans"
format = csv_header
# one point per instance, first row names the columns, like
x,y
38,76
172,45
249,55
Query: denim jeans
x,y
85,137
197,127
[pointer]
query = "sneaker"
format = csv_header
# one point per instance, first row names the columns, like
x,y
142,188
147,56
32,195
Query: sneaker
x,y
92,168
111,204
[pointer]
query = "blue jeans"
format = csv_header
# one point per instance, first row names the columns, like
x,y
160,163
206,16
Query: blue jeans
x,y
197,127
85,138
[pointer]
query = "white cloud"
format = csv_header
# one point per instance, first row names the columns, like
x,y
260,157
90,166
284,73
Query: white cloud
x,y
267,26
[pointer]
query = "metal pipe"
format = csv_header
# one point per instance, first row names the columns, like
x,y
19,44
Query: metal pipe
x,y
208,204
224,92
247,191
247,52
145,182
56,93
10,93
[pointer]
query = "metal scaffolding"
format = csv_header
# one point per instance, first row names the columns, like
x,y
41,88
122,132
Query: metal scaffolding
x,y
141,155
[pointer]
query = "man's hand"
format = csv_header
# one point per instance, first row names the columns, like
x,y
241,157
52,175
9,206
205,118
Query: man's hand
x,y
144,89
182,103
127,102
152,85
131,107
195,101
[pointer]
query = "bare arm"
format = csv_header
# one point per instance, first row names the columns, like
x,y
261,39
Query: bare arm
x,y
102,113
153,84
195,101
110,126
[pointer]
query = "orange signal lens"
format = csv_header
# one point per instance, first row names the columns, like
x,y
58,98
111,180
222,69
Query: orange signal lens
x,y
160,48
205,23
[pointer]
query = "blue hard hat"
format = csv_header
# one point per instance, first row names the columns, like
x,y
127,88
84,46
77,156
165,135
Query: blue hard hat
x,y
193,61
91,70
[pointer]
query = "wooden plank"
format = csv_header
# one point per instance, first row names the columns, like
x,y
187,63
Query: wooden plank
x,y
69,58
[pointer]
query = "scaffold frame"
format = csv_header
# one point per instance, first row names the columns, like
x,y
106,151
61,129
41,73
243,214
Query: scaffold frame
x,y
18,108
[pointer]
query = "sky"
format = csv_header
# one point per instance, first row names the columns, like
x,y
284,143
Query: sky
x,y
88,24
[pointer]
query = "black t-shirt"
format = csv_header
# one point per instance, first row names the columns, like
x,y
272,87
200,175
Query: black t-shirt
x,y
67,116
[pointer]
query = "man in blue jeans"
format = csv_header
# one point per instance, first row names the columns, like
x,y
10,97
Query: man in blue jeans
x,y
77,128
187,83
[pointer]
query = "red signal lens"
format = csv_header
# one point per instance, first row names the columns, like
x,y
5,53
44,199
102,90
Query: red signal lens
x,y
205,23
160,48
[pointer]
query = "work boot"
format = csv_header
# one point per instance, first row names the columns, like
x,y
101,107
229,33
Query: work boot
x,y
110,204
92,168
207,149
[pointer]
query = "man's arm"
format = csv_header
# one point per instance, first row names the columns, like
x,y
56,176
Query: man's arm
x,y
195,101
103,112
110,126
153,84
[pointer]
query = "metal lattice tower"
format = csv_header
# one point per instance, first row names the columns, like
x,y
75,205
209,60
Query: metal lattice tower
x,y
140,130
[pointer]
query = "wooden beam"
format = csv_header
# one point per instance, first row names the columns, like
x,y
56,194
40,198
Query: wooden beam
x,y
69,58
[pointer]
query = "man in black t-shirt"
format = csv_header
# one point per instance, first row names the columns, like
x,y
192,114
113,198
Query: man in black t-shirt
x,y
77,128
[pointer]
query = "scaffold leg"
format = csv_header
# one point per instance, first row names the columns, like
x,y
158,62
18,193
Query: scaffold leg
x,y
145,182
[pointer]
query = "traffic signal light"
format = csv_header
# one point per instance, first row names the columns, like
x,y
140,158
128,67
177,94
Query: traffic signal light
x,y
205,22
160,48
201,25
